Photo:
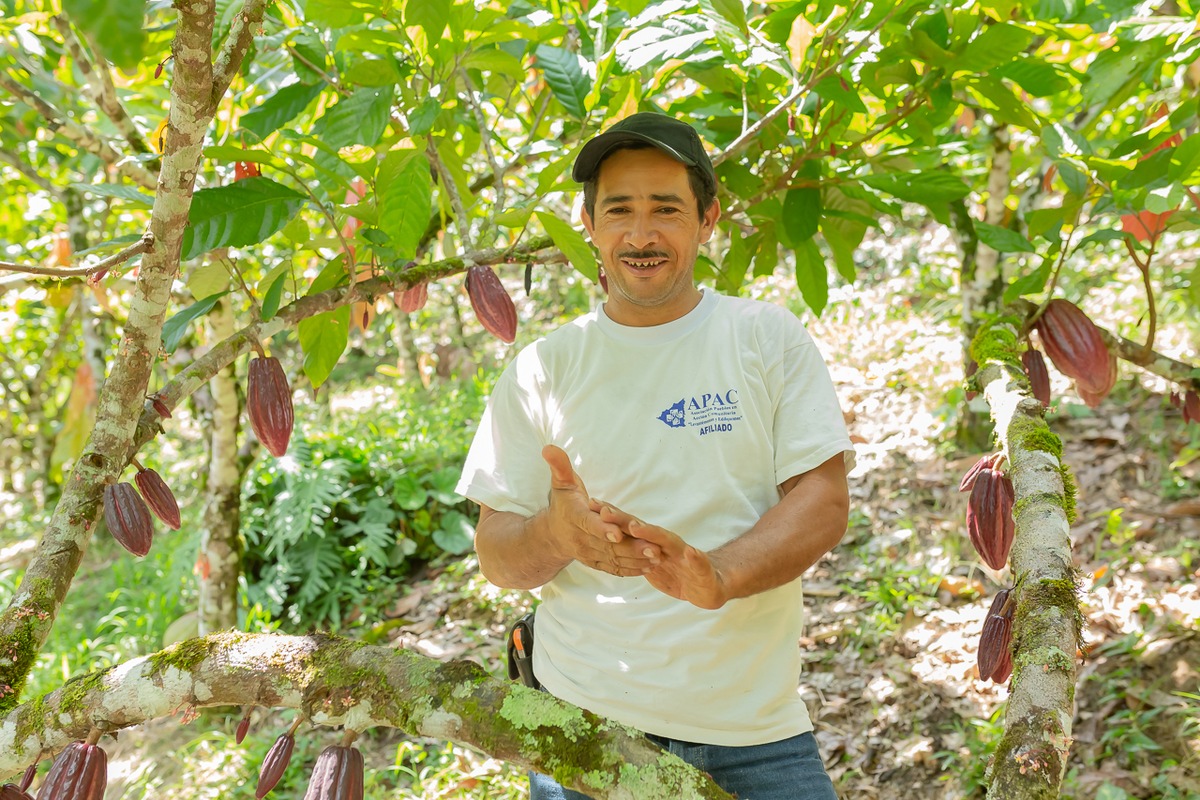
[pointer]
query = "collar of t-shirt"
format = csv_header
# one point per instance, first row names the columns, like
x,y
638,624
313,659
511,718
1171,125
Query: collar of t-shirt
x,y
658,334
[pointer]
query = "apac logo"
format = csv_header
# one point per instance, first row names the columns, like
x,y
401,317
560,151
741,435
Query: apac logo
x,y
703,411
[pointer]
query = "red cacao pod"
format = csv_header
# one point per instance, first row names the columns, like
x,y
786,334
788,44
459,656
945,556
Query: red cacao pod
x,y
1039,377
987,462
160,406
493,307
79,773
128,519
158,497
413,298
337,775
242,729
995,642
269,402
10,791
1093,399
274,763
1191,407
1075,346
989,517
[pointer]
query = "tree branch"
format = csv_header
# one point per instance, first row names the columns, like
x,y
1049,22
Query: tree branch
x,y
142,245
241,36
100,86
340,682
58,123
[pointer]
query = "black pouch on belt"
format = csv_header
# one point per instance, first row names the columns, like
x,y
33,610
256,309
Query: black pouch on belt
x,y
520,652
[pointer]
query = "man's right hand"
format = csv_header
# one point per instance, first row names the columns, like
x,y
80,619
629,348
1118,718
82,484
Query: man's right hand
x,y
578,533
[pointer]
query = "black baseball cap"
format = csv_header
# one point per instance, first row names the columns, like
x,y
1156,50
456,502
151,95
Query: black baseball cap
x,y
677,139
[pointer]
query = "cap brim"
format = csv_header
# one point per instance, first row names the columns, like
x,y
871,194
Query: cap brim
x,y
594,151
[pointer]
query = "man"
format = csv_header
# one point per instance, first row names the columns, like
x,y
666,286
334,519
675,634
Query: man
x,y
665,468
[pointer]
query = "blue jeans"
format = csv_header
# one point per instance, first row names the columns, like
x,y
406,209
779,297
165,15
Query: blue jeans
x,y
786,770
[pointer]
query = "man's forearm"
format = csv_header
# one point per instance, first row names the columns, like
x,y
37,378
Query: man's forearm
x,y
789,538
515,551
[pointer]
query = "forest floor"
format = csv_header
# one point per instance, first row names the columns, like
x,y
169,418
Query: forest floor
x,y
895,612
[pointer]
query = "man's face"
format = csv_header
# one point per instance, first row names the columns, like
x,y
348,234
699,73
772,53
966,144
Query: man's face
x,y
648,232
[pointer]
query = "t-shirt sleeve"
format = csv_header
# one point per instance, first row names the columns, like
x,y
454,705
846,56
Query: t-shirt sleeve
x,y
504,469
809,427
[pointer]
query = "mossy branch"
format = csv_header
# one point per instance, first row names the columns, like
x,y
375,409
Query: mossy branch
x,y
1046,626
339,682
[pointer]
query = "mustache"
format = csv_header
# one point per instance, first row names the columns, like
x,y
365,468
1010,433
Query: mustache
x,y
642,255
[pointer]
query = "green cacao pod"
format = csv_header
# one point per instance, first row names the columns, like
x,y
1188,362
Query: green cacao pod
x,y
127,518
79,773
274,763
990,522
158,497
269,403
337,775
1039,377
493,307
1074,344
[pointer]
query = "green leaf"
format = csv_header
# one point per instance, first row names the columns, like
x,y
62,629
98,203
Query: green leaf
x,y
330,276
309,47
174,328
279,108
230,154
432,15
767,257
572,243
1035,76
404,192
442,486
1003,240
496,61
421,119
243,213
1185,158
919,187
1099,236
455,534
115,26
323,339
408,493
565,78
998,44
338,13
732,10
1030,283
271,300
833,90
801,215
812,277
1194,293
516,216
208,279
118,191
359,119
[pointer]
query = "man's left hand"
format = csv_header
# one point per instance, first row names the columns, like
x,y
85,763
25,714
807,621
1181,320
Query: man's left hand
x,y
680,570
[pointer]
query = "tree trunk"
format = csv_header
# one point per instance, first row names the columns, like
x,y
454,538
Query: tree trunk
x,y
407,350
1031,757
219,563
981,280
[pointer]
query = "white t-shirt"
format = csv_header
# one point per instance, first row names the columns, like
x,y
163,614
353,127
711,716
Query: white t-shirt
x,y
692,426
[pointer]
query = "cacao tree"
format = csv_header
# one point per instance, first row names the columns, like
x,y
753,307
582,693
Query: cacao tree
x,y
297,165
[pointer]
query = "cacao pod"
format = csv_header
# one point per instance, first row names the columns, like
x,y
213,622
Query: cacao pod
x,y
1093,398
79,773
337,775
274,763
1075,346
493,307
413,298
269,401
1039,377
1191,407
987,462
995,643
160,406
11,791
603,279
158,496
989,517
128,519
242,729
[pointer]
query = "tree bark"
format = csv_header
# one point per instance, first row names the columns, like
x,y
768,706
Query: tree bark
x,y
219,562
340,682
1031,758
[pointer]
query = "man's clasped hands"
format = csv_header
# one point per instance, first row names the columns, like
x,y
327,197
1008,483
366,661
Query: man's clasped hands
x,y
603,537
